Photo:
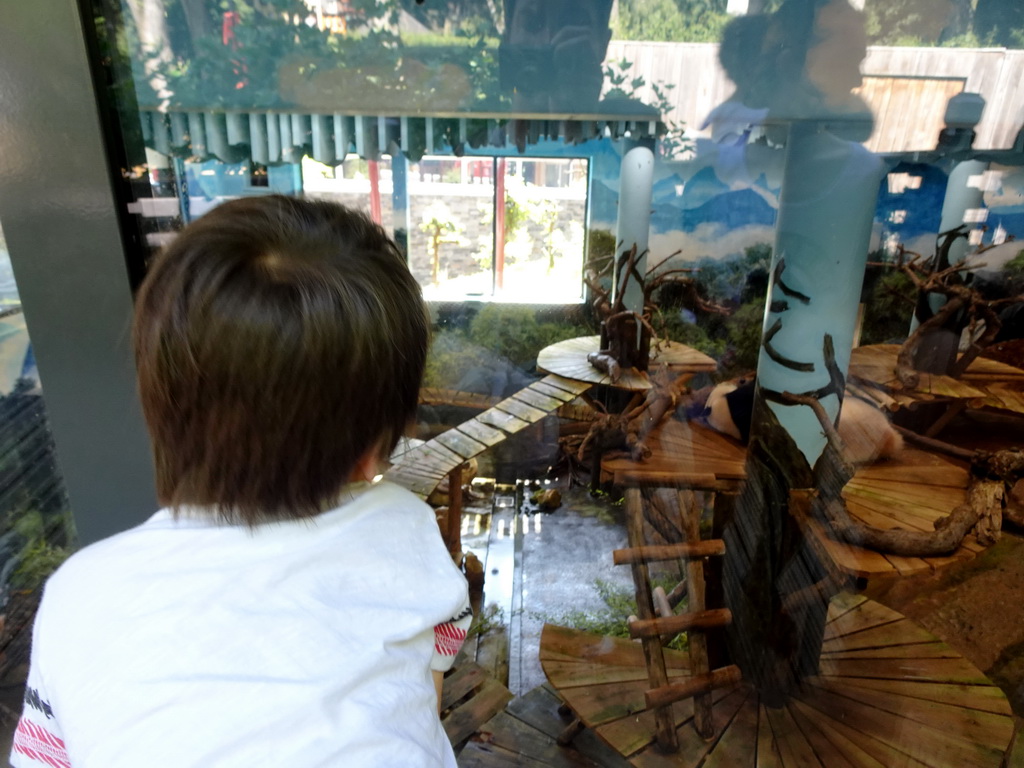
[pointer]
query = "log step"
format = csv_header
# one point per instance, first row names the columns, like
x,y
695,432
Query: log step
x,y
660,552
684,622
667,694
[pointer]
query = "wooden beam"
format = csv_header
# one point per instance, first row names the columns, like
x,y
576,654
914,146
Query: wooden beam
x,y
665,728
720,678
687,480
699,620
659,553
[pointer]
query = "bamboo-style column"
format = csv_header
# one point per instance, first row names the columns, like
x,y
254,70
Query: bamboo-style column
x,y
826,209
622,335
633,228
938,351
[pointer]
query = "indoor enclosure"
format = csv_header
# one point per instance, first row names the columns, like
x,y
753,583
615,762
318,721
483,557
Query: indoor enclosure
x,y
724,407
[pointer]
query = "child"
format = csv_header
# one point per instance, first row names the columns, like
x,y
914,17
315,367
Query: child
x,y
283,609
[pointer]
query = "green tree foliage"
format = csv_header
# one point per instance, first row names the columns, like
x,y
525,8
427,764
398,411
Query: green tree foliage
x,y
508,331
889,298
611,619
515,333
672,134
516,216
673,21
1000,22
43,547
950,23
695,335
600,246
249,53
440,229
1014,274
451,354
743,335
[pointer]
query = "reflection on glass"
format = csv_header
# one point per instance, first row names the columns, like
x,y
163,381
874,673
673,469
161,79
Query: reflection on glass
x,y
802,154
36,530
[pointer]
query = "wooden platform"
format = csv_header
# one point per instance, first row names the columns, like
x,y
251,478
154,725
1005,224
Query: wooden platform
x,y
687,449
422,468
888,694
910,491
986,383
569,358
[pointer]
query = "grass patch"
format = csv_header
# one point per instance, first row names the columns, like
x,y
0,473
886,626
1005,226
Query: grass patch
x,y
611,620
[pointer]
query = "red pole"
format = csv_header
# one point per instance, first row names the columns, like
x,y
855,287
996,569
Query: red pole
x,y
499,224
374,170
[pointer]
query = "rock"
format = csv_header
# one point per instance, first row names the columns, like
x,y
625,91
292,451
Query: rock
x,y
440,495
550,498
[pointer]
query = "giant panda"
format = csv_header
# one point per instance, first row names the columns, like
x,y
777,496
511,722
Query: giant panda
x,y
865,431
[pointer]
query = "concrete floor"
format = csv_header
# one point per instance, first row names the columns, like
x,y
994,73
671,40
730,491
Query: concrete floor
x,y
540,566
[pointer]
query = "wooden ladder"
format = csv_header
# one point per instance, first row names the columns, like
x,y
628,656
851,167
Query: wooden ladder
x,y
657,622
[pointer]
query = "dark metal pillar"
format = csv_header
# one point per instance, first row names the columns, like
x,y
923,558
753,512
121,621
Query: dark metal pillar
x,y
60,218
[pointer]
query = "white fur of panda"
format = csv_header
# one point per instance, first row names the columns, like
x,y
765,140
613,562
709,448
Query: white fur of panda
x,y
866,433
865,430
717,412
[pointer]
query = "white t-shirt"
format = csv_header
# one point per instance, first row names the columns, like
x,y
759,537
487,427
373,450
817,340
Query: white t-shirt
x,y
184,642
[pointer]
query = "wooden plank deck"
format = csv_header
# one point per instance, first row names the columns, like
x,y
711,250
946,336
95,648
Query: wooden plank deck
x,y
888,694
985,383
526,733
910,491
569,358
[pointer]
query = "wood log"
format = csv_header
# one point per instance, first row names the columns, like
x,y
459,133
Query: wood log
x,y
984,497
675,597
649,554
684,622
987,497
622,338
667,694
606,363
662,514
703,721
661,398
653,655
662,607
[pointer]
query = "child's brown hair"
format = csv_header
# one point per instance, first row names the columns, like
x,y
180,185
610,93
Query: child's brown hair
x,y
277,340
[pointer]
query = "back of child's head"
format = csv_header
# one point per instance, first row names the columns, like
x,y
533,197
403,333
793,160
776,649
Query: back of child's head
x,y
278,341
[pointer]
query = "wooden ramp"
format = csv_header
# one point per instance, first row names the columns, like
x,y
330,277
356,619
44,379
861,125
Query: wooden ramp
x,y
422,468
525,734
469,698
888,694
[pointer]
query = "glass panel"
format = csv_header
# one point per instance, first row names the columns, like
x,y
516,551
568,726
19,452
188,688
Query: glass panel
x,y
657,201
36,528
